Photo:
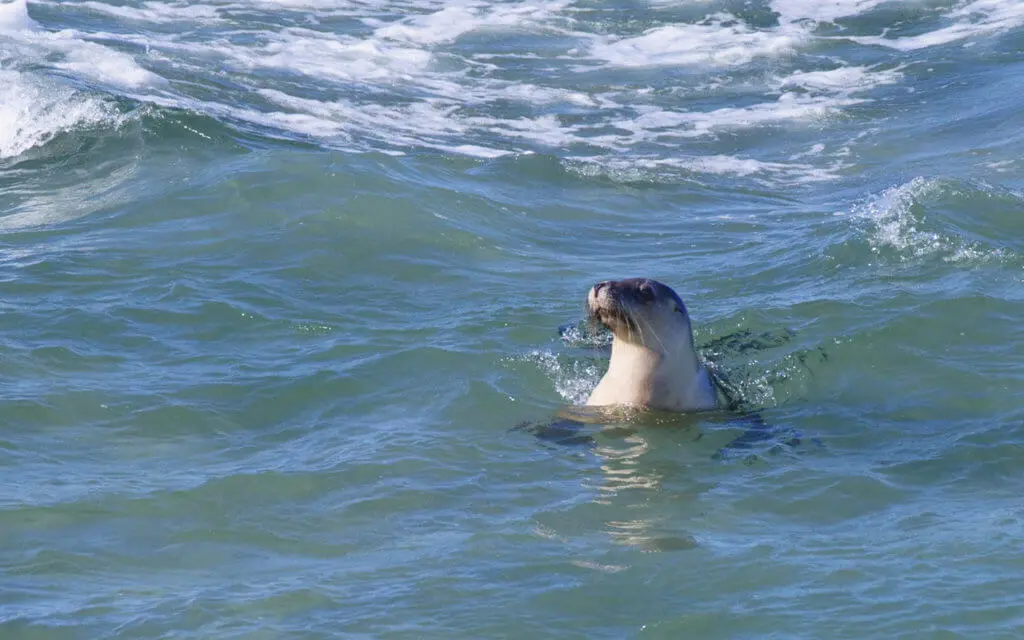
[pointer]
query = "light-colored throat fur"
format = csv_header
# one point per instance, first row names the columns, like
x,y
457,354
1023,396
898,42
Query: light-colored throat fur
x,y
671,379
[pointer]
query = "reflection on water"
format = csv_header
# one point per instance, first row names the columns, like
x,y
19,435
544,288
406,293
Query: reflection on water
x,y
649,535
622,469
631,478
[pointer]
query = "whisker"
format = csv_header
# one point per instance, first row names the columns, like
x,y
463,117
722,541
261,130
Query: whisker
x,y
628,319
658,339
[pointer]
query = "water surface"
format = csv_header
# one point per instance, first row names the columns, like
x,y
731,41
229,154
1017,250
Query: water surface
x,y
278,277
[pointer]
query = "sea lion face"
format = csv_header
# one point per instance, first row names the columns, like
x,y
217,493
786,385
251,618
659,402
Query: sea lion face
x,y
640,311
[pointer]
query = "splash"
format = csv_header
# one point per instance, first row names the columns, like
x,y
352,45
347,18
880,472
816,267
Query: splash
x,y
897,225
35,110
573,379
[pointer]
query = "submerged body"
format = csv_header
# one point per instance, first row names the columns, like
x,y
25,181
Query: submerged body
x,y
654,363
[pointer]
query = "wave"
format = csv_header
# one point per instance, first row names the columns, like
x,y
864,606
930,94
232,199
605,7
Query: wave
x,y
64,50
968,20
35,109
913,221
485,80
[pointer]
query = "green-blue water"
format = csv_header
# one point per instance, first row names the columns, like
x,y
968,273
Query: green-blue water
x,y
278,279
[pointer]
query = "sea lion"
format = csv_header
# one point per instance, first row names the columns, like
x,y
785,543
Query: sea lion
x,y
654,363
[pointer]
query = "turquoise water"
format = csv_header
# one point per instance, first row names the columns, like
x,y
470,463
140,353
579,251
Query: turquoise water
x,y
278,279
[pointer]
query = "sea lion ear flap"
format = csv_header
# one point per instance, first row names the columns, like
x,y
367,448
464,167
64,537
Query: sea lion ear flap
x,y
680,306
681,310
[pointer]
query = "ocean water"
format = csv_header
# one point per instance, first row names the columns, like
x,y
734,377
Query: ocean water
x,y
279,279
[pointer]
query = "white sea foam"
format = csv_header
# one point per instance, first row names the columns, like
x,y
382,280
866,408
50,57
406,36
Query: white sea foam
x,y
477,151
399,77
978,18
33,110
843,80
789,108
100,64
673,169
335,7
815,150
442,122
323,55
538,95
427,124
1001,165
822,10
401,122
823,94
795,172
396,50
157,12
66,50
723,41
896,222
14,17
434,123
461,17
806,97
967,19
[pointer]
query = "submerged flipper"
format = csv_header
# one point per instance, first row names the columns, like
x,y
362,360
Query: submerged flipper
x,y
756,431
558,432
772,439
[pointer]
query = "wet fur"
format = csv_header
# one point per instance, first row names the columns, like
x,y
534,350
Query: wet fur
x,y
654,363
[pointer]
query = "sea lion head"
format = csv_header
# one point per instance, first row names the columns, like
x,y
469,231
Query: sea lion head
x,y
641,311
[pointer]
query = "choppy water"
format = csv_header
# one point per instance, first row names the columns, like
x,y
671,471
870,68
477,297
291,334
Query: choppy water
x,y
278,277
